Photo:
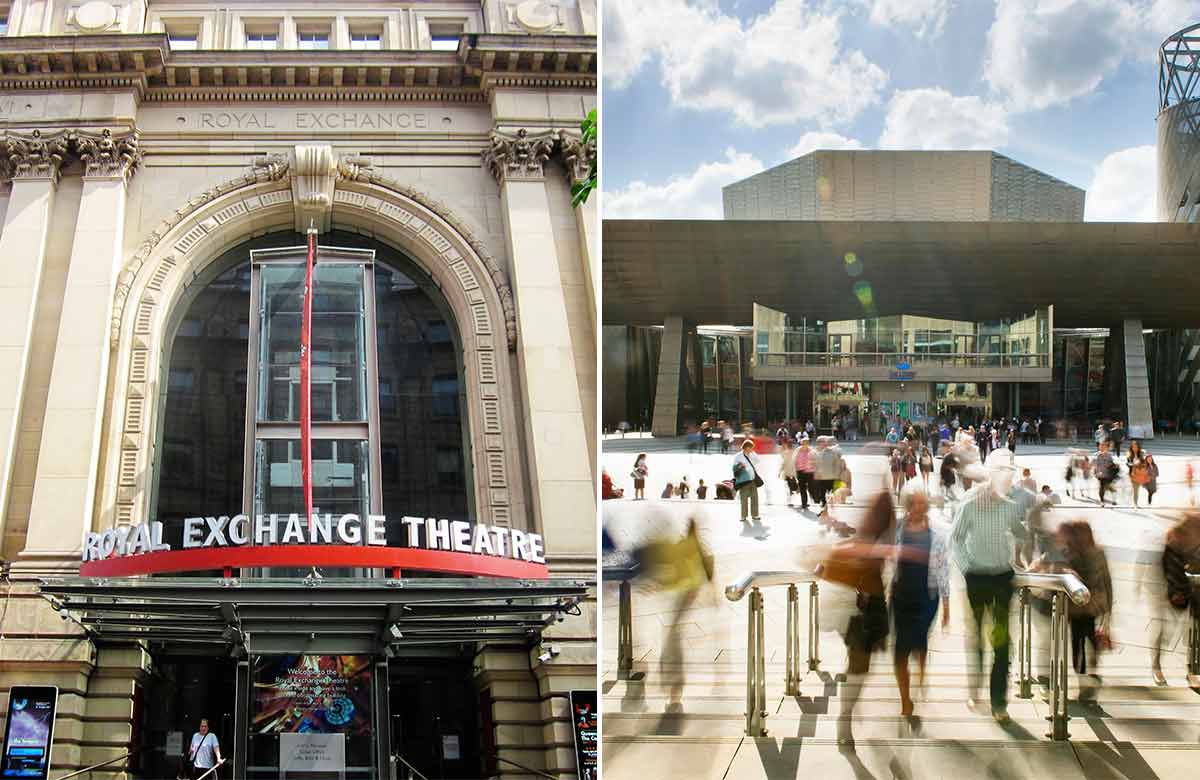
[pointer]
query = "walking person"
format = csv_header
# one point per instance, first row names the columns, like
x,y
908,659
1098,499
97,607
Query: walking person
x,y
1139,468
1105,468
204,752
640,470
746,480
1089,622
1181,553
705,433
1151,484
726,438
919,584
987,530
827,468
803,460
1117,435
787,468
925,462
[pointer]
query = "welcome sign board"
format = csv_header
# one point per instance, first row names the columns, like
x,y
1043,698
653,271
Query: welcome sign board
x,y
327,540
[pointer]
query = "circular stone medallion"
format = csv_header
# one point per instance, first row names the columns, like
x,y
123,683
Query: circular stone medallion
x,y
537,15
95,15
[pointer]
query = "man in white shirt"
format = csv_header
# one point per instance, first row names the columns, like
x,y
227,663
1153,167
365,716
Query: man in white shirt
x,y
205,750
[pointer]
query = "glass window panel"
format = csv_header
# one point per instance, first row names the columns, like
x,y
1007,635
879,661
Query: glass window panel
x,y
312,41
339,477
338,343
366,41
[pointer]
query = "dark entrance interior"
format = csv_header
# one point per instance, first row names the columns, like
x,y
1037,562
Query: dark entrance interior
x,y
181,691
435,716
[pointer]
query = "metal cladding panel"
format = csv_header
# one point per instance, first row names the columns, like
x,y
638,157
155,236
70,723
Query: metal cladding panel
x,y
712,272
1179,162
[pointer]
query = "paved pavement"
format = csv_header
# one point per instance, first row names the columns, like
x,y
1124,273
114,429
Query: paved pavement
x,y
694,651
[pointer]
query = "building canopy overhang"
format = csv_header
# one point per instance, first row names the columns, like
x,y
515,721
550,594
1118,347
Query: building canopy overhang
x,y
1094,274
314,615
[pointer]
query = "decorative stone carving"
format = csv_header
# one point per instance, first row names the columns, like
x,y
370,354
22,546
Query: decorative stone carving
x,y
354,168
312,186
36,157
578,157
518,157
535,16
271,167
107,157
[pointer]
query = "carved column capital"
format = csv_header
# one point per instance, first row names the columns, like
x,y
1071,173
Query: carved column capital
x,y
35,156
105,156
518,157
314,176
271,167
578,157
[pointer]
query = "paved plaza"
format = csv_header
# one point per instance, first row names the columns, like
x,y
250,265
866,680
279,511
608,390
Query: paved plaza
x,y
683,713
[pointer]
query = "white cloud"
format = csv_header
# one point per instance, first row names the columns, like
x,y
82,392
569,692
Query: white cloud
x,y
1123,189
819,139
786,65
924,17
1045,52
694,196
935,119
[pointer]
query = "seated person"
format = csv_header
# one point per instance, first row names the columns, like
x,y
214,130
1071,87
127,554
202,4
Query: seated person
x,y
1048,496
701,490
684,488
668,491
607,490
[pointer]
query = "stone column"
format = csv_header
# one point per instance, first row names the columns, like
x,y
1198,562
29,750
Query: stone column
x,y
668,392
65,488
1138,415
34,162
578,158
561,478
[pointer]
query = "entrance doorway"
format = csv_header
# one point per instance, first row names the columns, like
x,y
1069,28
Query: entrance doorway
x,y
180,692
435,715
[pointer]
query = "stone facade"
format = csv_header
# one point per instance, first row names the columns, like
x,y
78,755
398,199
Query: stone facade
x,y
859,185
140,143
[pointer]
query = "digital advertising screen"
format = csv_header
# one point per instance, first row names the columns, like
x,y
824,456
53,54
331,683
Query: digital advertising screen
x,y
29,732
315,694
584,724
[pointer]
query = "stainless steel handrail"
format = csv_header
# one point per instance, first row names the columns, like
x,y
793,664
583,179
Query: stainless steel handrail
x,y
1063,585
78,772
411,768
756,662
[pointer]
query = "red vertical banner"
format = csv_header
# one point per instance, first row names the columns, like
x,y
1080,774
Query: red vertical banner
x,y
306,378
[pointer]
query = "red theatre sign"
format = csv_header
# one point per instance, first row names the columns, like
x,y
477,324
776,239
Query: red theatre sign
x,y
325,540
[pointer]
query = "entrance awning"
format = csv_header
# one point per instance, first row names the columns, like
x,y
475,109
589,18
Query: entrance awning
x,y
312,615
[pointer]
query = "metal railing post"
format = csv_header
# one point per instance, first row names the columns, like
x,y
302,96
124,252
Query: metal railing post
x,y
814,623
756,711
1024,647
1193,663
791,681
1060,649
625,632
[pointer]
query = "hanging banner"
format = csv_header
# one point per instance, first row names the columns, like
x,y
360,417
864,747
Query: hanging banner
x,y
306,378
326,540
584,726
29,732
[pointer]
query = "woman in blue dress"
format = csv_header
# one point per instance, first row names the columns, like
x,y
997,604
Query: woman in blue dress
x,y
919,585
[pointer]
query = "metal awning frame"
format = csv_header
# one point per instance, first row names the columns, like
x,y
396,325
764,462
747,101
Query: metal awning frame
x,y
312,615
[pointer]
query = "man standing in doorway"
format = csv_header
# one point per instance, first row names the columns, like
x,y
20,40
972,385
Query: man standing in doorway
x,y
205,751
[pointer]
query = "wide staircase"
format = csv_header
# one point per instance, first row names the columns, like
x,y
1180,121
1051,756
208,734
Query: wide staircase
x,y
768,706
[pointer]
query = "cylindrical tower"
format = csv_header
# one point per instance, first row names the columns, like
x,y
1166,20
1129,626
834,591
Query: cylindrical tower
x,y
1179,126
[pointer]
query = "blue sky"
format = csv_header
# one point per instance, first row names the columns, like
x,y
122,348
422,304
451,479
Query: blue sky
x,y
700,93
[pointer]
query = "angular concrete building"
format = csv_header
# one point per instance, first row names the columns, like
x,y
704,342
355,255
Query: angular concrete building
x,y
879,185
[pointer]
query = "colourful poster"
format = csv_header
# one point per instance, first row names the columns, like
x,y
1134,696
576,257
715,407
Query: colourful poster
x,y
322,694
29,732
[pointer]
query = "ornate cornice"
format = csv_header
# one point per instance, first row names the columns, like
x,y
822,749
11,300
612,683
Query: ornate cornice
x,y
36,156
519,156
104,156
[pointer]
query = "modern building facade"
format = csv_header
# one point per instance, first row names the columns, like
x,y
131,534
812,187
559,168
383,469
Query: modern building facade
x,y
976,352
163,163
881,185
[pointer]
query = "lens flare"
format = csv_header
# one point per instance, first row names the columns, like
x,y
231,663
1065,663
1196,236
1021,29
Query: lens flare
x,y
854,266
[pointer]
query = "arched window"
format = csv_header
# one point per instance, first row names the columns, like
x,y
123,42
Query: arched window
x,y
387,389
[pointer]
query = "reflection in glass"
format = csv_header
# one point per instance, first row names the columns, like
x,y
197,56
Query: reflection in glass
x,y
338,343
339,478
